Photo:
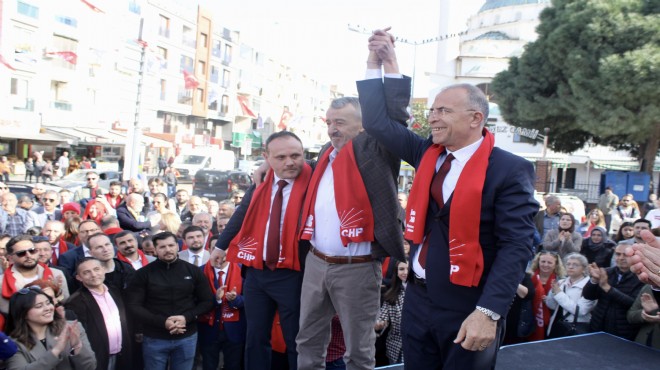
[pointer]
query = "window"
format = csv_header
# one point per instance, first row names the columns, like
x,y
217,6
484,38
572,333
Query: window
x,y
134,7
224,106
201,67
59,92
69,21
186,64
24,46
188,37
184,96
226,59
63,44
200,95
163,89
28,10
225,78
213,99
217,45
167,122
19,95
203,40
164,26
569,181
215,74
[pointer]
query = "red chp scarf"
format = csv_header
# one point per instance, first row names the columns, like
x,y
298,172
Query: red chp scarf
x,y
232,281
62,248
465,213
541,311
9,281
351,198
143,258
248,246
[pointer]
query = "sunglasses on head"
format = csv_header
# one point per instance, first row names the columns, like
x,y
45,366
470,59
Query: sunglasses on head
x,y
29,289
22,254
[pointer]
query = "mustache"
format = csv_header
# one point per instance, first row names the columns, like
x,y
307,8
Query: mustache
x,y
336,134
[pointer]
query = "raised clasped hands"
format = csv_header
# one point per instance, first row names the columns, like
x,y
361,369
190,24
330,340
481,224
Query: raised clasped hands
x,y
477,332
381,51
176,324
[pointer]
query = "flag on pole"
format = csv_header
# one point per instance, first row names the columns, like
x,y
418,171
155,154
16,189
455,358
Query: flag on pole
x,y
284,120
69,56
4,62
190,80
92,6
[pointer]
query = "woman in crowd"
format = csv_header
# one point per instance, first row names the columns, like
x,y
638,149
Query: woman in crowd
x,y
73,165
594,218
158,186
95,210
546,268
524,295
70,209
45,340
160,206
47,172
54,290
626,231
71,230
169,222
598,248
390,314
566,299
565,239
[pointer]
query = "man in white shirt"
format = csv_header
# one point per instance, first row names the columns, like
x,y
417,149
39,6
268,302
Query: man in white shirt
x,y
127,250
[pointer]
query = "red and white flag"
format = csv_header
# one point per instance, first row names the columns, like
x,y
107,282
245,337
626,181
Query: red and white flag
x,y
92,6
284,120
4,62
190,80
69,56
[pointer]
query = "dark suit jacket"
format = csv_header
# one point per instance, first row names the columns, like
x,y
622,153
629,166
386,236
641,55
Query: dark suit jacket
x,y
89,314
43,218
68,260
128,222
507,210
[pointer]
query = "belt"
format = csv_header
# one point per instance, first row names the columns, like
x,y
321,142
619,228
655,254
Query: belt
x,y
340,260
418,281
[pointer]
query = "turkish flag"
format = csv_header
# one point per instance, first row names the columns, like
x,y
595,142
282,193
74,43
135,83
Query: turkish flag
x,y
92,6
284,120
190,81
69,56
416,126
5,63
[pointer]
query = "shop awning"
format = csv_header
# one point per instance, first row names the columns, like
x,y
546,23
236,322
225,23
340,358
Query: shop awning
x,y
617,164
46,136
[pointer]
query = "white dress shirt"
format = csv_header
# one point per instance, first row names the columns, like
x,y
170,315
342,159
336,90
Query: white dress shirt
x,y
286,192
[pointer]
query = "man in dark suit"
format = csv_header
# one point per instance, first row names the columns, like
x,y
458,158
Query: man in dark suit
x,y
49,210
54,231
111,344
350,222
463,277
69,259
129,214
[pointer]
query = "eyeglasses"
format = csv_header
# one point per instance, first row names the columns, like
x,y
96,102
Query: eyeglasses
x,y
49,200
38,239
29,289
92,179
442,111
4,187
21,254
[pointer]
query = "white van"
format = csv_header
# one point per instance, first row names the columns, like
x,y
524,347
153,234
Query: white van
x,y
189,161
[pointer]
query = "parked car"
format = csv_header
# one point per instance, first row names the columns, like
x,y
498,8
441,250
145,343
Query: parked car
x,y
217,184
25,189
78,179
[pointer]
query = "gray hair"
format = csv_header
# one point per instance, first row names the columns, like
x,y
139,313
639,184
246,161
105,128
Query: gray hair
x,y
580,258
340,103
551,199
477,100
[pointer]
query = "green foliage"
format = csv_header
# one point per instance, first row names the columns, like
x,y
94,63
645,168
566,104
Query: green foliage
x,y
421,125
591,76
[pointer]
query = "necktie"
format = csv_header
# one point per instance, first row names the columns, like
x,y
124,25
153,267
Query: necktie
x,y
273,240
195,260
220,276
53,259
49,217
436,193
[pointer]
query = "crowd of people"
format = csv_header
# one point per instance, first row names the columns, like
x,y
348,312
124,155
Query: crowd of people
x,y
323,264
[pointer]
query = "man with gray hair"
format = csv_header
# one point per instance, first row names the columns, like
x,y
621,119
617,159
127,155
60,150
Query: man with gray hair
x,y
469,215
48,210
548,219
130,215
204,221
16,220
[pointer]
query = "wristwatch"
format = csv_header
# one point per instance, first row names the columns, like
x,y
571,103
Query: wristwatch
x,y
493,316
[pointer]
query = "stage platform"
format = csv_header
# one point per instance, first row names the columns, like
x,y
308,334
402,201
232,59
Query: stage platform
x,y
599,351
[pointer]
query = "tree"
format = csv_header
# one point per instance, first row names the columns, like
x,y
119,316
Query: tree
x,y
591,76
420,123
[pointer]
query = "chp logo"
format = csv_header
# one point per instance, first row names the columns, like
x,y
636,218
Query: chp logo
x,y
246,248
349,223
454,251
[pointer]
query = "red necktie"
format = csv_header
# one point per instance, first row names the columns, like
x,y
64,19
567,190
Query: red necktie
x,y
436,193
53,259
273,241
220,275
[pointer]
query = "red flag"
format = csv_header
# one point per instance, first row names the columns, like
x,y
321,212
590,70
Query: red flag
x,y
92,6
416,126
245,106
142,43
284,120
190,81
69,56
4,62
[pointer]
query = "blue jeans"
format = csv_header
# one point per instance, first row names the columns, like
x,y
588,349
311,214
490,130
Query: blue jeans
x,y
337,364
179,352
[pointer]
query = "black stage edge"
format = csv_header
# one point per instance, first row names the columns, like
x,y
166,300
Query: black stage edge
x,y
600,351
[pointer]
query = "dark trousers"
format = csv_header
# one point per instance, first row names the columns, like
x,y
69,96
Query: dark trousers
x,y
428,336
266,291
211,341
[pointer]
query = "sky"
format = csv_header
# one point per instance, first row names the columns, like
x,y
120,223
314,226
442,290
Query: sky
x,y
314,35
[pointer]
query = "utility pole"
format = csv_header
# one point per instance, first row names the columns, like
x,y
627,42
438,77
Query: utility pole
x,y
132,160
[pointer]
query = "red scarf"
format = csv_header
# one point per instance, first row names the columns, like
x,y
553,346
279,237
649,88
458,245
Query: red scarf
x,y
232,281
465,213
9,281
143,258
101,211
351,198
62,248
114,202
541,311
248,246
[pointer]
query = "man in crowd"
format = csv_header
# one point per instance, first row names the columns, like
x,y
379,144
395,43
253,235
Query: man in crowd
x,y
65,196
607,204
225,211
117,273
194,207
128,251
639,225
25,269
114,195
236,196
110,226
16,220
205,222
193,237
45,256
54,231
220,224
653,215
26,204
136,186
548,219
69,259
263,236
130,215
63,163
49,210
223,328
470,214
181,202
166,297
615,288
88,192
354,179
101,310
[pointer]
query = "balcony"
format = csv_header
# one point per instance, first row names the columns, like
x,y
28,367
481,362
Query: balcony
x,y
26,105
165,32
61,105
